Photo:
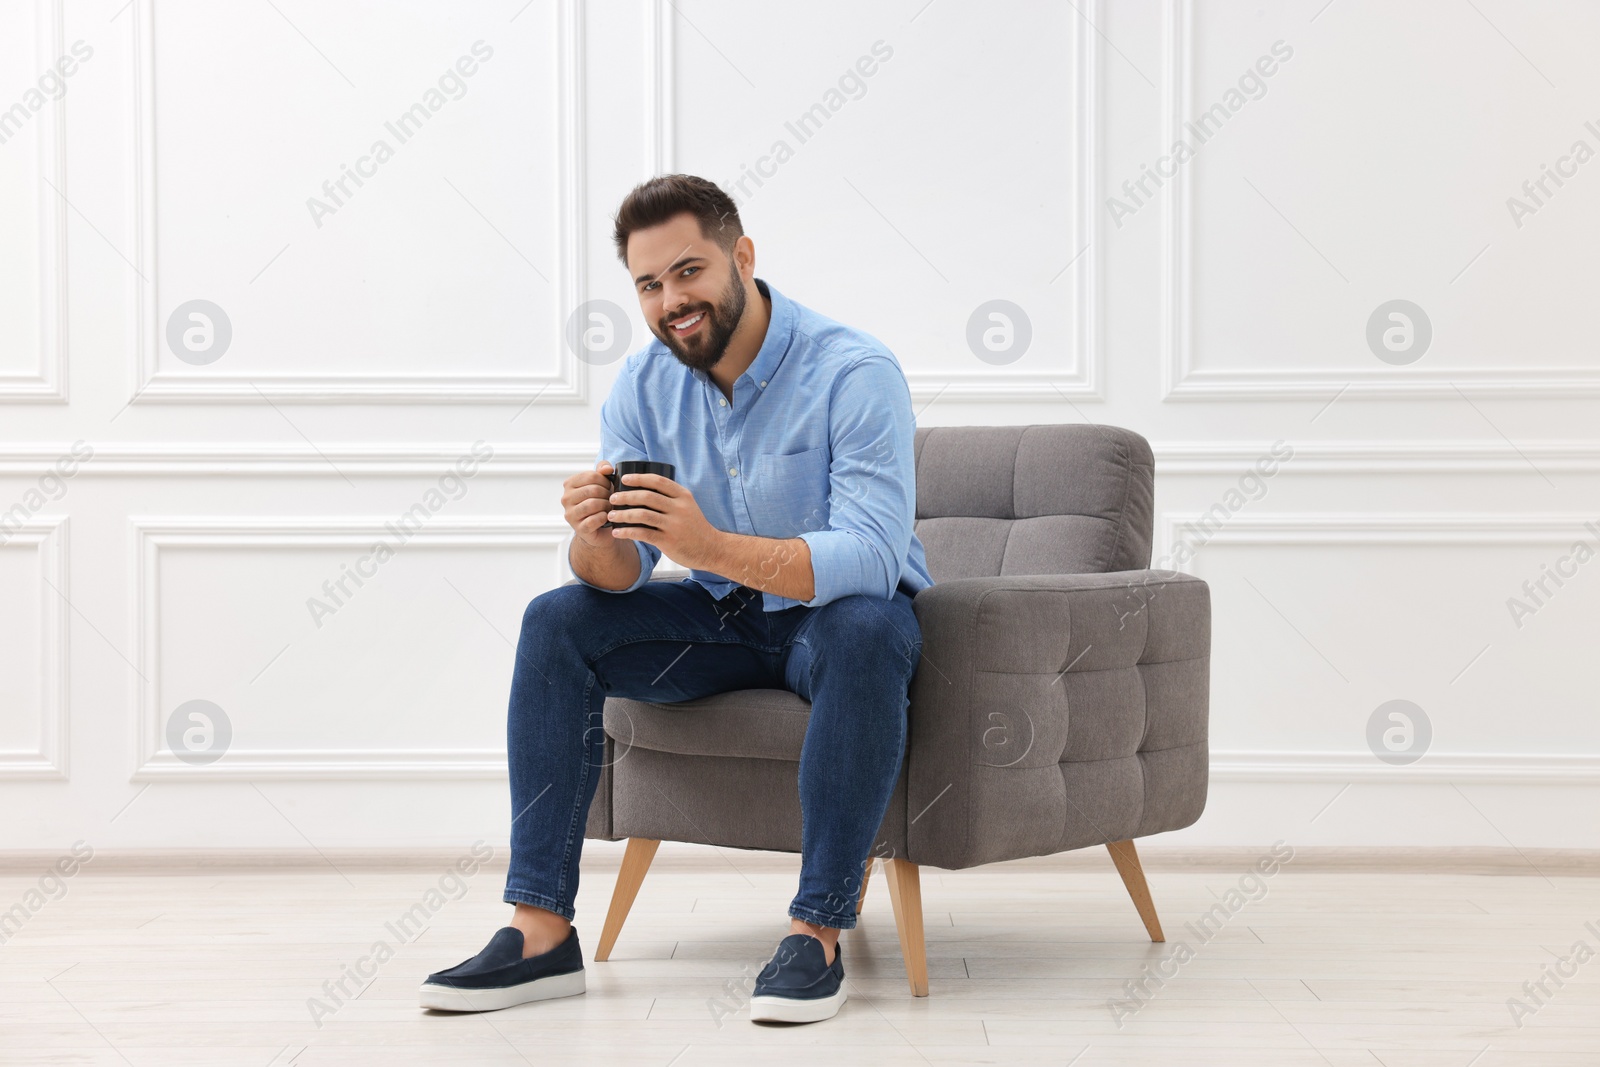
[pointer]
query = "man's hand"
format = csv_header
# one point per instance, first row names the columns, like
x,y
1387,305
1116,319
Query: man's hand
x,y
583,504
673,521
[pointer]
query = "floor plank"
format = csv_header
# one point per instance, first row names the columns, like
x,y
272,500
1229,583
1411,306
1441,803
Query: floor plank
x,y
1037,962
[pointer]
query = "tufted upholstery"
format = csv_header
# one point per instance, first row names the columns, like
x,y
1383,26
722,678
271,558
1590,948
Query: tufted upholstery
x,y
1062,697
995,500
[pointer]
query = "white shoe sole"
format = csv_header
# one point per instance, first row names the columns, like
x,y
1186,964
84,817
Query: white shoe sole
x,y
448,998
786,1010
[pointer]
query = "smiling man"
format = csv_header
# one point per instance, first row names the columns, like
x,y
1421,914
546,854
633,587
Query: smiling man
x,y
792,505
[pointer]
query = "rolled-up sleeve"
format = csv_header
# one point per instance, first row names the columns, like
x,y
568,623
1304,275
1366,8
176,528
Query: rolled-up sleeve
x,y
872,485
621,439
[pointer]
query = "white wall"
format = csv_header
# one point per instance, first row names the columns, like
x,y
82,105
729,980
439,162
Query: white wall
x,y
1219,316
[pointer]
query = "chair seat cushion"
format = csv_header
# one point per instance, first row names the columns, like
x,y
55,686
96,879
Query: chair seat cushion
x,y
748,723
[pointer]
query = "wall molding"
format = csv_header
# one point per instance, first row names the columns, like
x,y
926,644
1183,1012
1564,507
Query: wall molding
x,y
1085,380
153,764
48,536
1390,528
1434,768
1177,457
49,384
1182,380
569,385
1154,855
332,765
1379,457
660,147
119,460
1384,528
152,534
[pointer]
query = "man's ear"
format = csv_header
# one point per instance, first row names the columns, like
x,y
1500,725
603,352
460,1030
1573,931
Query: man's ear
x,y
744,256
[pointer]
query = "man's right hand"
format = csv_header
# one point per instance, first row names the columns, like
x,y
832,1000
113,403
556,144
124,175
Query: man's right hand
x,y
585,500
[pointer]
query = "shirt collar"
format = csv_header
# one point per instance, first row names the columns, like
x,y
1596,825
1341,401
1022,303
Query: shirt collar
x,y
780,331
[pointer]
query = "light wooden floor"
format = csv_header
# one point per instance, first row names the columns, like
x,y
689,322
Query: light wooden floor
x,y
215,965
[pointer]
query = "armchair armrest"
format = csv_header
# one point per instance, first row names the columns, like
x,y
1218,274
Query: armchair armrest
x,y
1054,711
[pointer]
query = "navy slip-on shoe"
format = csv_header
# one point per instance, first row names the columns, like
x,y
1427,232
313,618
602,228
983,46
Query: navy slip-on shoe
x,y
798,985
498,977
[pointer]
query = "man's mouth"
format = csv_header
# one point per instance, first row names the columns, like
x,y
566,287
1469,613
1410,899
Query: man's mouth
x,y
687,325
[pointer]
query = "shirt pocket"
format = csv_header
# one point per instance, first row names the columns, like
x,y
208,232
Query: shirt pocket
x,y
788,494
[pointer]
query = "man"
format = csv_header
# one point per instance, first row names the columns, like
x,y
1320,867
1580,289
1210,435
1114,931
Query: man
x,y
792,503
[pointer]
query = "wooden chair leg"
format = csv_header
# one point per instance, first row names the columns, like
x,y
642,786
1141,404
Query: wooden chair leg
x,y
905,894
1127,861
865,874
635,862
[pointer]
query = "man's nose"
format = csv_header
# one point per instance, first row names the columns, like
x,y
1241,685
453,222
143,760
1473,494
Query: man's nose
x,y
672,298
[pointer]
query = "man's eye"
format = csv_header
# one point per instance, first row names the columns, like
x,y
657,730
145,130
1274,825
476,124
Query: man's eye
x,y
686,270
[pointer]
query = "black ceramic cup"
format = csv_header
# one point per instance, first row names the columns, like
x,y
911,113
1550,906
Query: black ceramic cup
x,y
633,466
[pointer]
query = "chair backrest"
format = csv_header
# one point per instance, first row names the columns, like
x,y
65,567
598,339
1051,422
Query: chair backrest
x,y
1040,499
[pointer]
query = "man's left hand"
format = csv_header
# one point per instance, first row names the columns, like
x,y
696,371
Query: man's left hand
x,y
674,522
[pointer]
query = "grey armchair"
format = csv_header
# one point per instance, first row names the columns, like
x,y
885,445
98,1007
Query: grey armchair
x,y
1061,700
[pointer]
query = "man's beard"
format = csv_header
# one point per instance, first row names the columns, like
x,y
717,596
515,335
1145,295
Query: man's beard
x,y
709,343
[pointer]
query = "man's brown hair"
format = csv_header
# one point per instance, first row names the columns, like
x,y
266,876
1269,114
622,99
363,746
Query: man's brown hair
x,y
658,199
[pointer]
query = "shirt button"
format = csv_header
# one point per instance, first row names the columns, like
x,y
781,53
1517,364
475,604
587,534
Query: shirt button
x,y
722,400
763,385
734,471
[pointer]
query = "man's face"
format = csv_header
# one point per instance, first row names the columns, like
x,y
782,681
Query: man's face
x,y
683,279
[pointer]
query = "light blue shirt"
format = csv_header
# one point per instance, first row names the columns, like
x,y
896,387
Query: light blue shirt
x,y
817,443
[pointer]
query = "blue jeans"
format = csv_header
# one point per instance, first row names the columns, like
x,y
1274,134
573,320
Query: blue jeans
x,y
665,642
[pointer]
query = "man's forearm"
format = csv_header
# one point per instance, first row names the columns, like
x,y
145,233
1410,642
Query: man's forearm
x,y
616,567
777,565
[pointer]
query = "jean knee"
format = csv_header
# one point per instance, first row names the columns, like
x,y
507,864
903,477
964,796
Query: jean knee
x,y
864,623
554,608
